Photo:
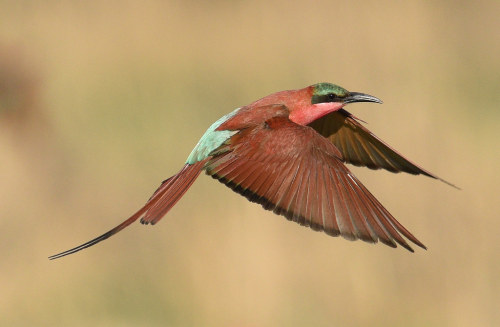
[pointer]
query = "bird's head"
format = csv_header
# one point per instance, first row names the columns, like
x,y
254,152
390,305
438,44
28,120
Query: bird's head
x,y
324,98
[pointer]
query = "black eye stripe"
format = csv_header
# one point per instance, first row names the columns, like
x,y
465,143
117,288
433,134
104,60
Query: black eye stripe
x,y
328,97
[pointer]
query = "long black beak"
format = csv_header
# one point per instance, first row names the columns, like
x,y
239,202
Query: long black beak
x,y
360,97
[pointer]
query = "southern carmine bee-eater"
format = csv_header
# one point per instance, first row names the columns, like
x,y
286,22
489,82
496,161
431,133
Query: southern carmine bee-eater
x,y
286,152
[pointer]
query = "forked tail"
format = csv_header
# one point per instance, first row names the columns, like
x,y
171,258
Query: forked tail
x,y
163,199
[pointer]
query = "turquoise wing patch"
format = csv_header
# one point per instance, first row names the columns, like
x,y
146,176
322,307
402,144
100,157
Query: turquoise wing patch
x,y
211,140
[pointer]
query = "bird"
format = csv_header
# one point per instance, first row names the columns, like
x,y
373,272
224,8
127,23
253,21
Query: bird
x,y
287,152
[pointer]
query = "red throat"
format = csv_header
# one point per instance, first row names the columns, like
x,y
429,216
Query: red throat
x,y
310,113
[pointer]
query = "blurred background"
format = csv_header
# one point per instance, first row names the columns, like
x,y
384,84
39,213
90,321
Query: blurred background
x,y
102,100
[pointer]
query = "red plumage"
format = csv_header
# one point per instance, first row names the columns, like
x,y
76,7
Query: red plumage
x,y
293,171
286,151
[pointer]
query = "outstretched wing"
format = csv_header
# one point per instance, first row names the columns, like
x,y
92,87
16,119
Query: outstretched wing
x,y
361,147
293,171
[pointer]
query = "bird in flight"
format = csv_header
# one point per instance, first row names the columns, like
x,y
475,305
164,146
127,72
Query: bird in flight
x,y
287,152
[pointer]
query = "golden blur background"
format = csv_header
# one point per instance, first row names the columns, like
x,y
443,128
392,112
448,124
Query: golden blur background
x,y
102,100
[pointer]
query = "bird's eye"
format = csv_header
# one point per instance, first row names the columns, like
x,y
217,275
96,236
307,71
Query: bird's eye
x,y
331,96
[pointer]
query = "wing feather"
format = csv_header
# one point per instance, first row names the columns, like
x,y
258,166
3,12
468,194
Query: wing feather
x,y
361,147
295,172
368,233
327,207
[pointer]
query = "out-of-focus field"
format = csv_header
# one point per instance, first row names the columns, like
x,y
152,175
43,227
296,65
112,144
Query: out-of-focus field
x,y
100,101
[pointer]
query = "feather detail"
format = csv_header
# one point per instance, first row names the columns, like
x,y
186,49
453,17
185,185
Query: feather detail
x,y
295,172
361,147
170,191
